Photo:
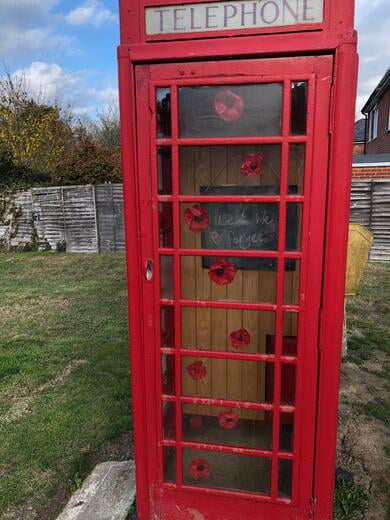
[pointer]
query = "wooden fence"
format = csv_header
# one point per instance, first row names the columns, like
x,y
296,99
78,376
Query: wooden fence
x,y
89,219
370,206
78,219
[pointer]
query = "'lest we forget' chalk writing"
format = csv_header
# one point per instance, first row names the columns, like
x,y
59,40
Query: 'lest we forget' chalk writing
x,y
233,15
247,226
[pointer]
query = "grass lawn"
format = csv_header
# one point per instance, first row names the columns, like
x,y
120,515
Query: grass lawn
x,y
64,373
64,376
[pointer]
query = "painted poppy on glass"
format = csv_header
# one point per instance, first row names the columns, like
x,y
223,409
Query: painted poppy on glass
x,y
197,370
196,218
222,272
240,339
252,165
228,105
199,469
228,420
195,422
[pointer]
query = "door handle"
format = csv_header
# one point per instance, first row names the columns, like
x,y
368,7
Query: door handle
x,y
149,270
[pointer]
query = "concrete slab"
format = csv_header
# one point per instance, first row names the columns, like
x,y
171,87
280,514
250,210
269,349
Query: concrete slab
x,y
107,494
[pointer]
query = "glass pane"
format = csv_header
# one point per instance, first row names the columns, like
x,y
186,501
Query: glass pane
x,y
167,326
286,440
227,426
227,471
294,227
169,420
164,170
166,224
241,226
163,102
289,372
285,478
228,279
242,331
289,345
298,107
168,374
290,333
296,169
230,169
230,110
227,379
291,282
169,462
166,277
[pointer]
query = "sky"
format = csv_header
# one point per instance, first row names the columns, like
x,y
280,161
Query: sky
x,y
66,49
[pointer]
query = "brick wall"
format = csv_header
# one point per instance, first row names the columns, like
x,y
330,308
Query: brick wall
x,y
371,172
382,143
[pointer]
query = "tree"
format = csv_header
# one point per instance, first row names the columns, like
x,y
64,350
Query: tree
x,y
33,133
42,143
106,130
88,162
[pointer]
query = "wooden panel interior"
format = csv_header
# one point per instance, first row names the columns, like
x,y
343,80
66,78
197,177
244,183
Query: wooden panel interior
x,y
206,328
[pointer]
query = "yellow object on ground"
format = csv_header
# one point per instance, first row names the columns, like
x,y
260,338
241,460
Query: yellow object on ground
x,y
359,245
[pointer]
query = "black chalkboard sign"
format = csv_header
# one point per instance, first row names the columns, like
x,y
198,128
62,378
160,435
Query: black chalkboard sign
x,y
247,226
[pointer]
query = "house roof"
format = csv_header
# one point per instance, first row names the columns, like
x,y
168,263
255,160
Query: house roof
x,y
360,131
382,86
371,159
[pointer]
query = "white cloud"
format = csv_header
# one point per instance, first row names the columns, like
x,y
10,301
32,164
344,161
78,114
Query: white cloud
x,y
25,28
21,10
91,12
109,95
50,82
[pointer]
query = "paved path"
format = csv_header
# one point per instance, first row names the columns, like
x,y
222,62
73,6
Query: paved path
x,y
107,494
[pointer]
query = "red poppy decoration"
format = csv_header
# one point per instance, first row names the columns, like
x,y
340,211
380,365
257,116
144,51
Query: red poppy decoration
x,y
228,420
222,272
196,218
228,105
252,165
199,469
195,422
240,339
197,370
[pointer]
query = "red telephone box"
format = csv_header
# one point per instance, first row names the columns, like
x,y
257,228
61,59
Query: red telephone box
x,y
237,128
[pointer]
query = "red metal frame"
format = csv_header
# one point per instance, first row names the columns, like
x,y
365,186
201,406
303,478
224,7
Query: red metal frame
x,y
215,34
338,17
335,37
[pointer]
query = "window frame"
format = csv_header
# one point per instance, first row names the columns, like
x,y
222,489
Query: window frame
x,y
373,123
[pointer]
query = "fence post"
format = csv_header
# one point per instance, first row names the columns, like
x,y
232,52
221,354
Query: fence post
x,y
113,214
96,218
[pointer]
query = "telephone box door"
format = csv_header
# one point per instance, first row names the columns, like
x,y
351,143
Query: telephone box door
x,y
232,175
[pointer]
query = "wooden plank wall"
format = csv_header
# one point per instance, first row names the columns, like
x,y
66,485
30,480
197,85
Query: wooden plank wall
x,y
48,211
25,225
80,219
16,231
210,328
88,219
370,206
110,218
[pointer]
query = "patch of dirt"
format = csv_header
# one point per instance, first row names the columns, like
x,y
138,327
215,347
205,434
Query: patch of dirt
x,y
34,308
22,405
362,439
25,512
